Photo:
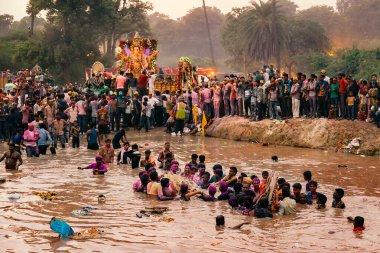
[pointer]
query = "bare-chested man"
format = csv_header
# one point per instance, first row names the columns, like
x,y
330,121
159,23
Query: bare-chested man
x,y
11,158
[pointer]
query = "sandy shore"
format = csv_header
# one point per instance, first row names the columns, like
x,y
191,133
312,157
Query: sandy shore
x,y
309,133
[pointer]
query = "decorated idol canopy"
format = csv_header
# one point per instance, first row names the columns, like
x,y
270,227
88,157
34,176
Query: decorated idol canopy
x,y
137,55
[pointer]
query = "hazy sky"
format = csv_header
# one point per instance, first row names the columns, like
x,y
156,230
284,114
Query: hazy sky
x,y
173,8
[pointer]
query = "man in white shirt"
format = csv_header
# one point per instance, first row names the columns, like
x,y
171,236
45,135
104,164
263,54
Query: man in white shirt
x,y
287,205
152,79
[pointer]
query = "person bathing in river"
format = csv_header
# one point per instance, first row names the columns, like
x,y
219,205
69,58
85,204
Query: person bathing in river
x,y
98,167
307,176
187,173
321,201
299,196
211,194
92,137
119,136
231,178
148,159
224,191
312,195
337,202
256,185
107,152
11,158
155,187
205,183
122,157
265,175
197,178
194,159
185,194
165,157
142,183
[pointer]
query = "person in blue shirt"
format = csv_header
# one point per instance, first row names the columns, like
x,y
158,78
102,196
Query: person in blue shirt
x,y
322,97
45,139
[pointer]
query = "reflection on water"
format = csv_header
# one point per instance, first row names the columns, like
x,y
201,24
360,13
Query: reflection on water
x,y
24,223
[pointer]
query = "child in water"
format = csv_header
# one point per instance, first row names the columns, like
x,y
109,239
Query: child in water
x,y
321,201
337,202
98,167
358,223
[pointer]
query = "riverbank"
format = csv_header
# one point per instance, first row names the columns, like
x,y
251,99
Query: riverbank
x,y
308,133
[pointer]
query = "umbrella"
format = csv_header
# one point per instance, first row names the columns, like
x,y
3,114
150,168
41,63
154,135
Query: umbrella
x,y
9,86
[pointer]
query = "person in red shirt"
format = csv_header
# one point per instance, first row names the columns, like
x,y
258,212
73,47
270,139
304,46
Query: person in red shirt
x,y
120,81
343,84
358,223
142,84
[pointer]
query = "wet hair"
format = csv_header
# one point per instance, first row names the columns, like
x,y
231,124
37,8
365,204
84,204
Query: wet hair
x,y
219,173
217,166
340,192
285,192
359,221
165,182
154,176
144,179
243,175
314,183
233,202
265,173
201,165
148,151
322,199
135,146
220,220
307,175
184,189
234,169
264,203
202,159
194,156
297,186
207,173
148,166
238,187
126,143
281,180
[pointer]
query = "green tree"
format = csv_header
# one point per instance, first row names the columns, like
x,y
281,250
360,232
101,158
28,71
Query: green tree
x,y
232,41
5,24
263,31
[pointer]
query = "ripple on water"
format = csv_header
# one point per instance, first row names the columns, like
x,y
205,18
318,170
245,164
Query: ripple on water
x,y
25,221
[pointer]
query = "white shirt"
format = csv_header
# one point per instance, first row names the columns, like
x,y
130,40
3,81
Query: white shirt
x,y
151,81
287,206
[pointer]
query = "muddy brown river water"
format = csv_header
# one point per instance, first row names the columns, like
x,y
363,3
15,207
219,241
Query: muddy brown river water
x,y
24,223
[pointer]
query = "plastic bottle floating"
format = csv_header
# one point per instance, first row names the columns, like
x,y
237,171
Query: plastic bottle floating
x,y
46,195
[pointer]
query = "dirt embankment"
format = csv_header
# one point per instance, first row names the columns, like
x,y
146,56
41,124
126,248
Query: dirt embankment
x,y
308,133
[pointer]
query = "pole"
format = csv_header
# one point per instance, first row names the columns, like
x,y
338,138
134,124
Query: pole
x,y
209,34
275,35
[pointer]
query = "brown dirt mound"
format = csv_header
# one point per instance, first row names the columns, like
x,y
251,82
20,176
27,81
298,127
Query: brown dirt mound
x,y
308,133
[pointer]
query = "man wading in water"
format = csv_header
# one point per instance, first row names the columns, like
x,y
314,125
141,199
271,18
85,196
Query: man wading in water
x,y
11,157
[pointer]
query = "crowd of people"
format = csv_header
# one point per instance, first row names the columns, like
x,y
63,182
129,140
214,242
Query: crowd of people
x,y
64,112
36,117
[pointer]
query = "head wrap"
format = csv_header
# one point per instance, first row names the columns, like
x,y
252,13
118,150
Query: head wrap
x,y
256,180
98,157
223,187
212,190
247,180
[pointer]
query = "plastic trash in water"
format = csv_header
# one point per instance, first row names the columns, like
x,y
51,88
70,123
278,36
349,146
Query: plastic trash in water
x,y
62,228
14,196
